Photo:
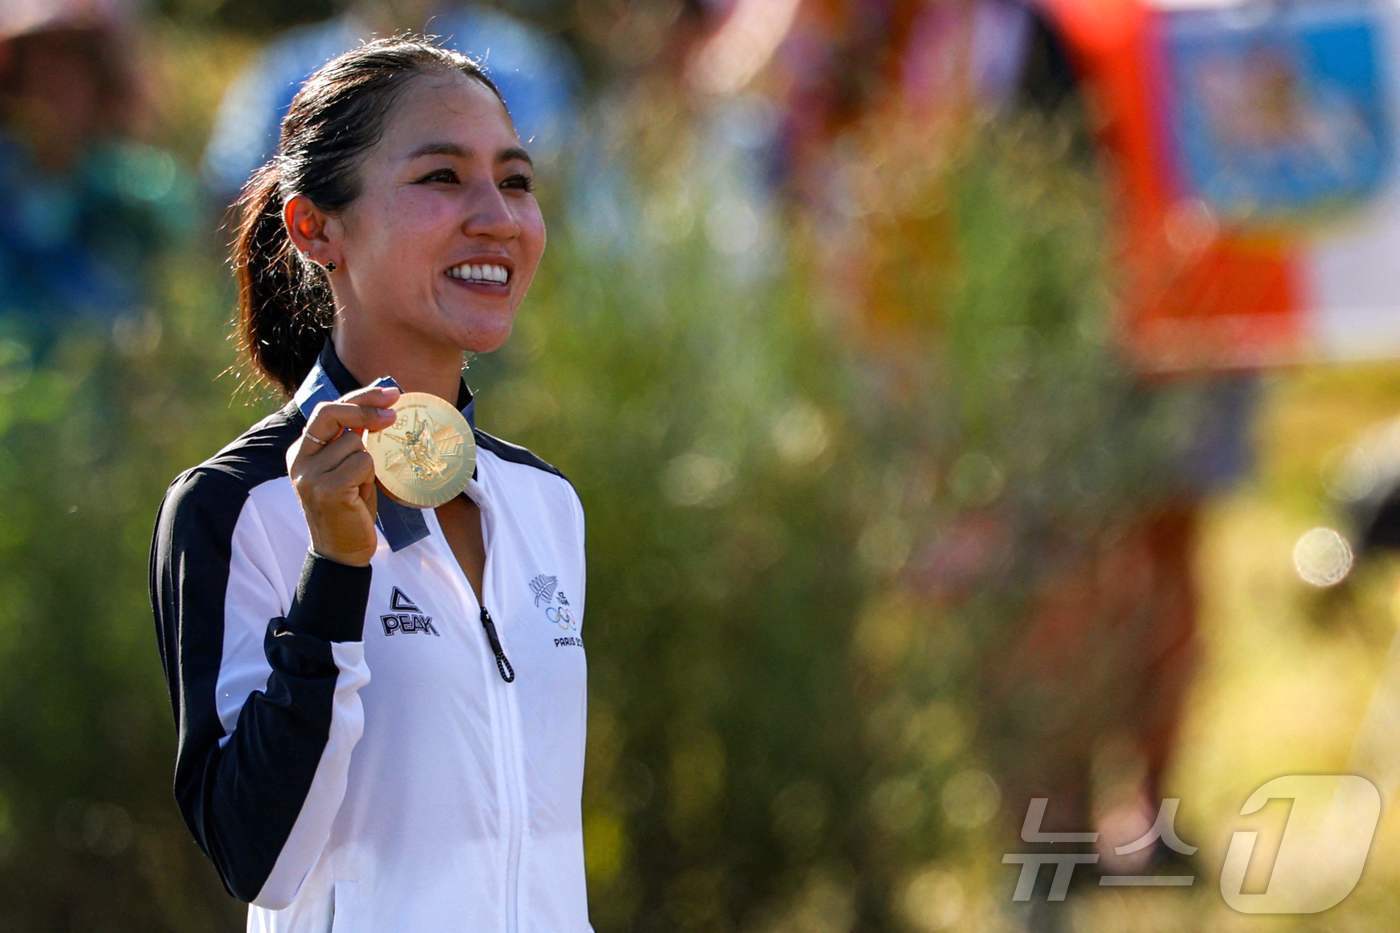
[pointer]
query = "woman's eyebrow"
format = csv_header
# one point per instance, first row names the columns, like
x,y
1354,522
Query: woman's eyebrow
x,y
509,154
515,153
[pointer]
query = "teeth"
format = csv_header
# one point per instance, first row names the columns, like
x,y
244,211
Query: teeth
x,y
488,272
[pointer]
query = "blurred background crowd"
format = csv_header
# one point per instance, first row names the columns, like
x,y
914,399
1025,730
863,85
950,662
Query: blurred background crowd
x,y
973,400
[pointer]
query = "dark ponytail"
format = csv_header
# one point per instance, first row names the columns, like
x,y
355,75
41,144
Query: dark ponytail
x,y
284,312
285,307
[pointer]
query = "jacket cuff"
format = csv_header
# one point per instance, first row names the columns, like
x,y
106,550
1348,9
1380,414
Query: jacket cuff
x,y
330,600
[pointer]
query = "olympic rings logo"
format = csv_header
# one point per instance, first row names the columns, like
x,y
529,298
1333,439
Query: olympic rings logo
x,y
562,617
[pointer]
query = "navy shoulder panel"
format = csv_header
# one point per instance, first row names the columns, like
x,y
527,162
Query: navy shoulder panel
x,y
259,453
514,453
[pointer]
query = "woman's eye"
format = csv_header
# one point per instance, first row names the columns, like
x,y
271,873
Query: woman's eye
x,y
442,174
522,182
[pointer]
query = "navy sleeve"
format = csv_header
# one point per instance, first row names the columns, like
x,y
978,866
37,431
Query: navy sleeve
x,y
264,688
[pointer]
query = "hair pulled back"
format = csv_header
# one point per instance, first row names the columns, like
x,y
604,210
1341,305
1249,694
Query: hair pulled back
x,y
285,309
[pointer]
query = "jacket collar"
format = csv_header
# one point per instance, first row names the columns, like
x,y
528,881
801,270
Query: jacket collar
x,y
328,380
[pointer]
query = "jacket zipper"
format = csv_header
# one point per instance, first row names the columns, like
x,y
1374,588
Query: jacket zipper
x,y
502,662
513,790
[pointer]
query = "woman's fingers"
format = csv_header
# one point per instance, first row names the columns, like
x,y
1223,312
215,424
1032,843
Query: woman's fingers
x,y
337,474
354,470
361,410
333,474
333,454
332,418
364,410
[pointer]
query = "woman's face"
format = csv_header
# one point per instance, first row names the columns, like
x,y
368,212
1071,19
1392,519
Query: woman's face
x,y
441,244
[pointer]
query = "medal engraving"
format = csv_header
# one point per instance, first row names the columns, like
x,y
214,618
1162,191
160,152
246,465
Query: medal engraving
x,y
426,457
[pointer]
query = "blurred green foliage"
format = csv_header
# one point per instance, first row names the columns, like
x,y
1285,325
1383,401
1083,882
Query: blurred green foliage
x,y
785,724
90,431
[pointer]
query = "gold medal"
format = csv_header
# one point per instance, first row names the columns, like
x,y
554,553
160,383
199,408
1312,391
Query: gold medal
x,y
426,457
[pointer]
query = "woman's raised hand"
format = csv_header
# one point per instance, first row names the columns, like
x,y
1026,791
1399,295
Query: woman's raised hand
x,y
333,474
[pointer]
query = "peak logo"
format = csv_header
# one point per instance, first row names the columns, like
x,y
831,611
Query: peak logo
x,y
407,618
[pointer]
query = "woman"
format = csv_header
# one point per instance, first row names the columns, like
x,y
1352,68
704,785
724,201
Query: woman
x,y
380,709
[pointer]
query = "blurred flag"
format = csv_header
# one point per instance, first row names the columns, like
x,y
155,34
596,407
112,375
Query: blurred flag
x,y
1255,149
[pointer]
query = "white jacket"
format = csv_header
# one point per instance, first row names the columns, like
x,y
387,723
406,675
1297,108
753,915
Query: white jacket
x,y
352,755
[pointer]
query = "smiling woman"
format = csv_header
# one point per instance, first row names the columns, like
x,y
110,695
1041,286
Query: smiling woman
x,y
378,728
440,244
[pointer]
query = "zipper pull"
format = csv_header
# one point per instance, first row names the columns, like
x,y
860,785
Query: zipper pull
x,y
502,662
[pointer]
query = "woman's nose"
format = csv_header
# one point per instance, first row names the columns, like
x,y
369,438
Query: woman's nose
x,y
489,214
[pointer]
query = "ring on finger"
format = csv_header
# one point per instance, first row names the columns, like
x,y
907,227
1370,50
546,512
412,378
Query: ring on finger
x,y
319,442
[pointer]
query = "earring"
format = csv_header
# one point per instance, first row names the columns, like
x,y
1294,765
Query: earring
x,y
330,267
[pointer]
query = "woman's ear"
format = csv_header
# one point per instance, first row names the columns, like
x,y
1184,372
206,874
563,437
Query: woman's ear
x,y
315,233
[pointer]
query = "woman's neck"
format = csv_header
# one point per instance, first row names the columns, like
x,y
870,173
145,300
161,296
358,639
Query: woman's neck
x,y
437,371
